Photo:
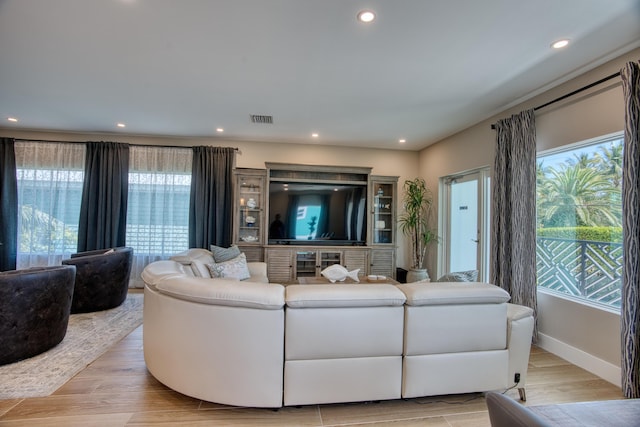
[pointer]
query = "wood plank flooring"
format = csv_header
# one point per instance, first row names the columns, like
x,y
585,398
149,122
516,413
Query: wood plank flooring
x,y
116,390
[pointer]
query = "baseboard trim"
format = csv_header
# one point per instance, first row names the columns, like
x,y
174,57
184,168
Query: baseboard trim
x,y
589,362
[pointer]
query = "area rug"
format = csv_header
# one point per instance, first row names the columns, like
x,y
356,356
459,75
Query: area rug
x,y
89,335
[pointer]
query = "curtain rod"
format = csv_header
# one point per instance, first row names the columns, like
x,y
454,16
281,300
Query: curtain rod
x,y
575,92
80,142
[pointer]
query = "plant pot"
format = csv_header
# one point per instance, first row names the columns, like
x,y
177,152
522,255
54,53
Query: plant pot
x,y
416,275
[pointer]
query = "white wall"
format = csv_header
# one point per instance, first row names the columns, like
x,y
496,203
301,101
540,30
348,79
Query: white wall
x,y
254,155
586,336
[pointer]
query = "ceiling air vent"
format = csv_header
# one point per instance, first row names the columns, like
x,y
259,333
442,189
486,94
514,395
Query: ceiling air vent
x,y
257,118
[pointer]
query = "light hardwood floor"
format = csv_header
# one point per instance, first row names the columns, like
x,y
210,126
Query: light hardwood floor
x,y
117,390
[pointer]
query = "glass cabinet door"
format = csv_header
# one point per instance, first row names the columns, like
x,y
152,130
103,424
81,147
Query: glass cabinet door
x,y
249,212
327,259
306,263
383,210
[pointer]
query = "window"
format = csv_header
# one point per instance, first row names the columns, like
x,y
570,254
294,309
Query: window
x,y
158,204
49,177
579,216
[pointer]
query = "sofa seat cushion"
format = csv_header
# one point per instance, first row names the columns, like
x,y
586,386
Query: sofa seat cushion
x,y
446,293
224,292
346,295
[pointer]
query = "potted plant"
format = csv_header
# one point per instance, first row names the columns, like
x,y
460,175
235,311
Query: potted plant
x,y
414,223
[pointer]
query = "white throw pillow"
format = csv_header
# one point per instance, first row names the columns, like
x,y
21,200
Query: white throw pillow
x,y
235,268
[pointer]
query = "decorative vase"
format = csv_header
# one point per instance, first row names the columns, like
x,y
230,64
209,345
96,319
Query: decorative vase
x,y
417,275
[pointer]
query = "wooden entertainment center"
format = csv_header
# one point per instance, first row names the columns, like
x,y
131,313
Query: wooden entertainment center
x,y
358,232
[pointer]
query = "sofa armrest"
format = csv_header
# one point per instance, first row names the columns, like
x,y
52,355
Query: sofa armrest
x,y
258,272
520,323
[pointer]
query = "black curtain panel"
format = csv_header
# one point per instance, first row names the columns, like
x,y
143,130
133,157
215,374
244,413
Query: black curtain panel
x,y
103,210
211,199
9,205
630,311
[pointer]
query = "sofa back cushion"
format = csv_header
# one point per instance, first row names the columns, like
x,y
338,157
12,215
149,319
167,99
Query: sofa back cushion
x,y
224,292
450,317
343,321
437,329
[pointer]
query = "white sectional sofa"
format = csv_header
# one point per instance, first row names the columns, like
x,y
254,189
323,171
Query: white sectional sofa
x,y
246,343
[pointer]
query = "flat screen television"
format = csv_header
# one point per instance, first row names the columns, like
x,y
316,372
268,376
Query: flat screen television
x,y
317,213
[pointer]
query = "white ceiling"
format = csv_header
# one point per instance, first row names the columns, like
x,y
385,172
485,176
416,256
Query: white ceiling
x,y
423,70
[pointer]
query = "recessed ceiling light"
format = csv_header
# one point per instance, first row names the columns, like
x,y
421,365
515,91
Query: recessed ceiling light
x,y
560,44
121,125
12,119
402,141
366,16
219,130
314,135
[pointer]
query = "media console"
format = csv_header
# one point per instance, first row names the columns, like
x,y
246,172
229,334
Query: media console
x,y
300,219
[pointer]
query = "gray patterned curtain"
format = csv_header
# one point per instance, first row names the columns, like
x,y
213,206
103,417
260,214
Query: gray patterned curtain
x,y
513,203
9,205
103,209
630,311
211,200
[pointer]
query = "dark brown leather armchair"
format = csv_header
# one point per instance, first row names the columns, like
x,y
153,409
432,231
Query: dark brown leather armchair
x,y
34,310
102,278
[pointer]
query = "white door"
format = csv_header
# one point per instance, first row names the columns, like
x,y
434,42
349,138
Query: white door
x,y
466,223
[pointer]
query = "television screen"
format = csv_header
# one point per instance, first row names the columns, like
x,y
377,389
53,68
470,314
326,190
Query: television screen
x,y
317,213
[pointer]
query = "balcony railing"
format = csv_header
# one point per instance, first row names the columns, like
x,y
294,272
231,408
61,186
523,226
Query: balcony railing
x,y
581,268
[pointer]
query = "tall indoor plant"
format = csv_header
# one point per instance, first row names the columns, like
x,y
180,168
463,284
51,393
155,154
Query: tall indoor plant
x,y
414,223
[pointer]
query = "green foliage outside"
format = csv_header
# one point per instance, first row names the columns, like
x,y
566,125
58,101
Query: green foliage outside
x,y
585,191
593,234
40,232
